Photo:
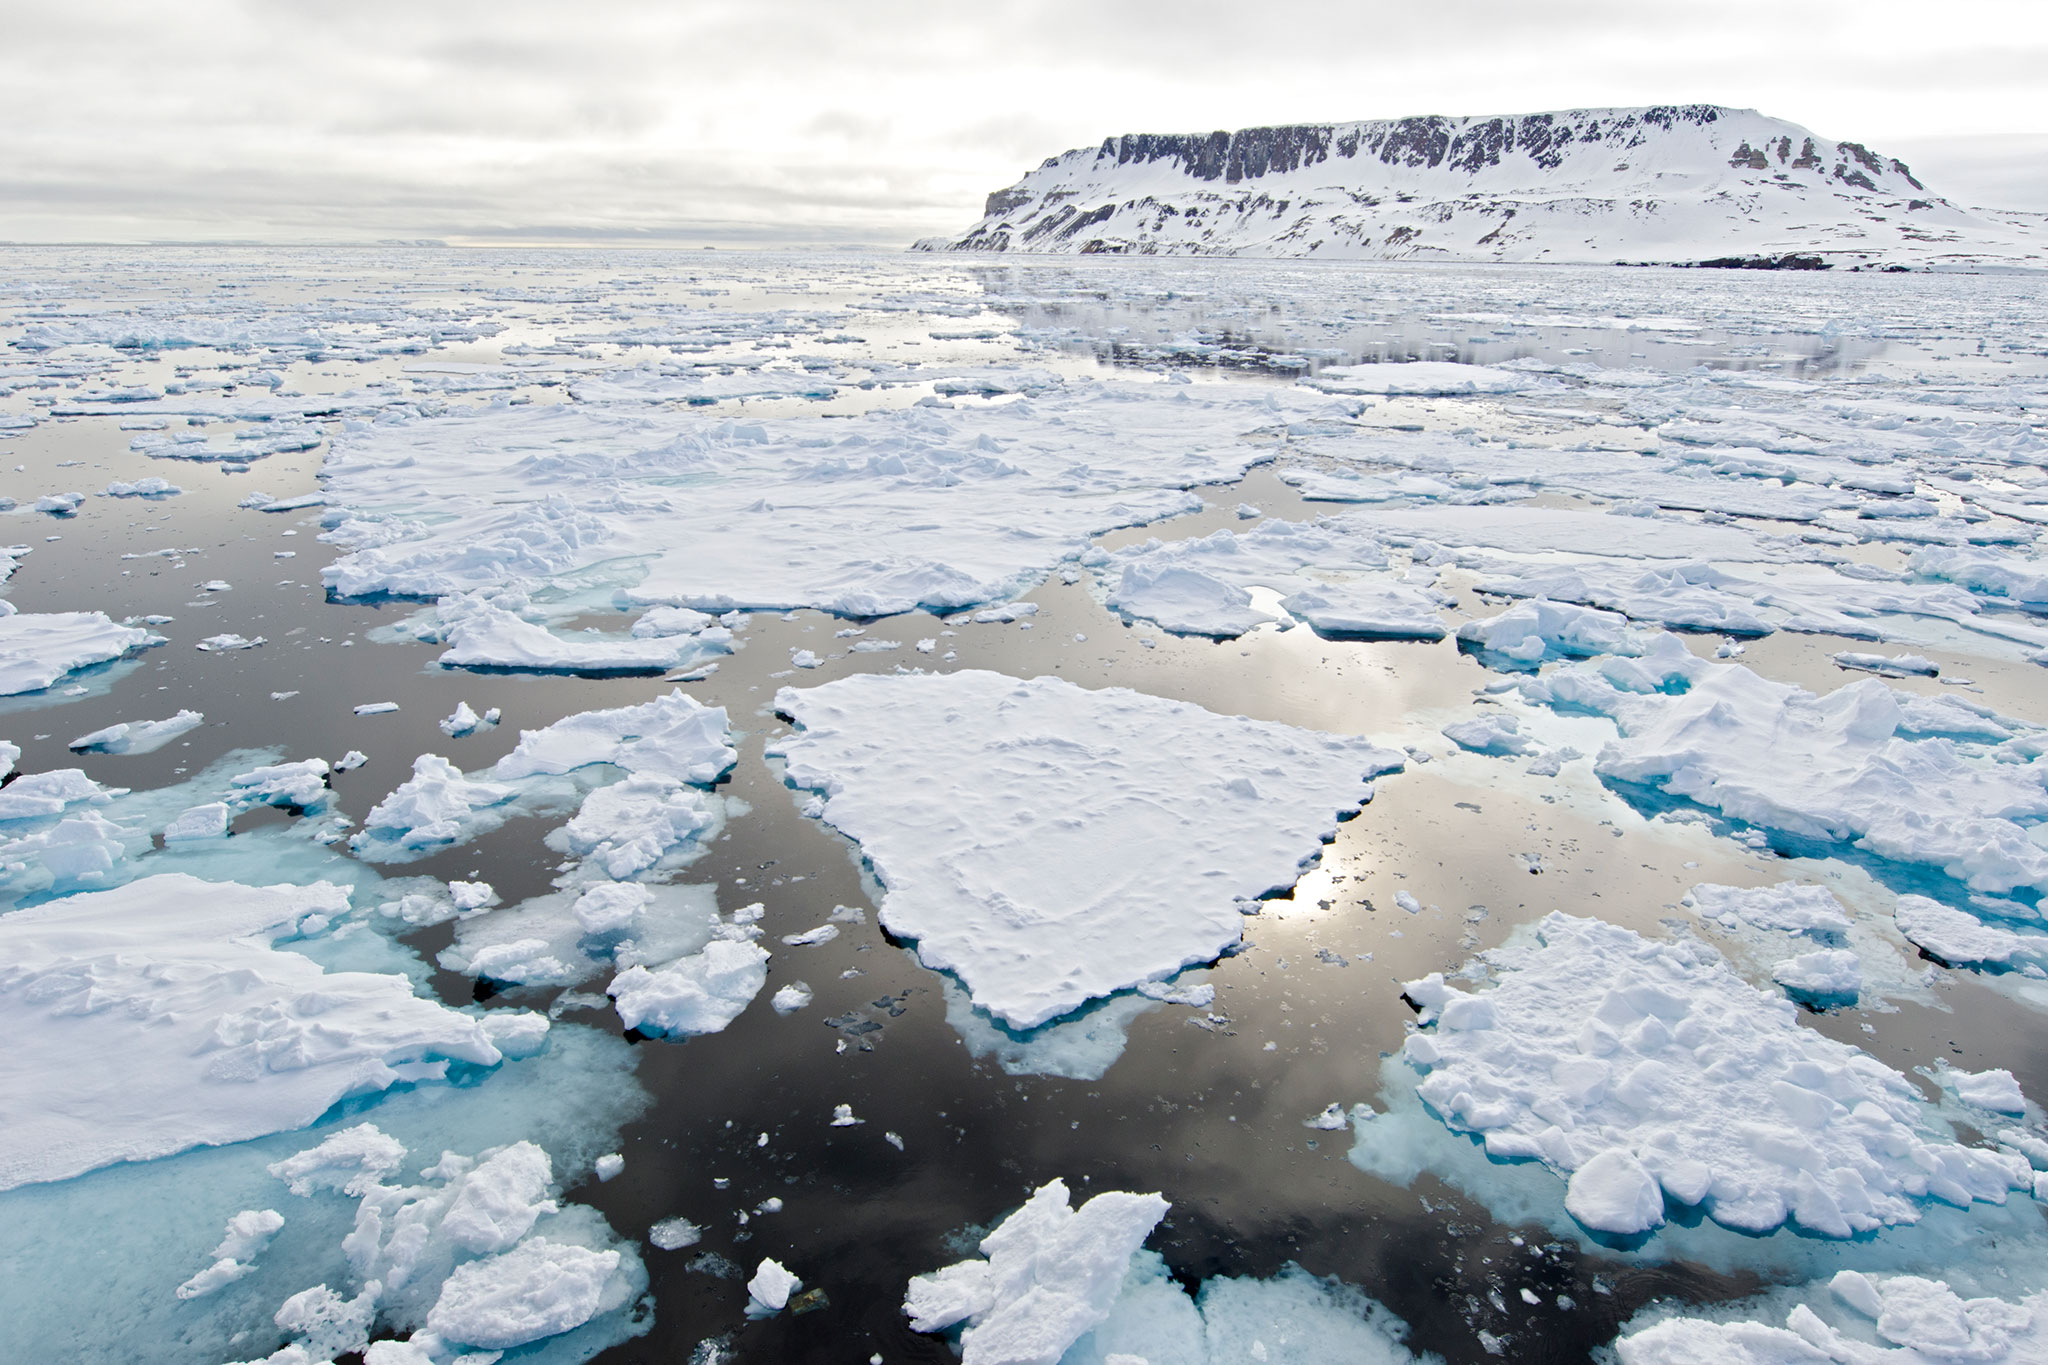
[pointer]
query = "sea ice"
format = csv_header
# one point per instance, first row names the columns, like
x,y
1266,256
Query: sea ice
x,y
1331,573
137,736
38,648
159,1016
1649,1072
1916,1321
1788,907
436,805
1049,844
771,1287
1955,936
701,993
673,735
898,508
1050,1273
1849,767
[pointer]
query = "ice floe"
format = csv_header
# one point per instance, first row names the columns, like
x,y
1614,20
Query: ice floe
x,y
39,648
1049,844
162,1015
138,736
1890,1320
1650,1075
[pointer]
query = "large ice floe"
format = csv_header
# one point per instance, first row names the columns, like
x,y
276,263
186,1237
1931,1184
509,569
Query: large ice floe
x,y
1651,1077
1057,1285
1049,844
1870,1320
886,512
164,1015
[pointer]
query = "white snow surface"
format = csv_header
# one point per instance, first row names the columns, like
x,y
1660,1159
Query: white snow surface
x,y
1648,1072
38,648
673,736
159,1016
1049,844
1331,573
1789,907
137,736
1914,1320
701,993
1048,1274
1852,766
891,510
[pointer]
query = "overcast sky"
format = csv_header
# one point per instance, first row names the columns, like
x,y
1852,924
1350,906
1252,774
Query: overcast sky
x,y
882,120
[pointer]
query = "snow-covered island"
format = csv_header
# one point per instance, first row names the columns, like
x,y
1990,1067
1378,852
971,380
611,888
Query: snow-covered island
x,y
1693,184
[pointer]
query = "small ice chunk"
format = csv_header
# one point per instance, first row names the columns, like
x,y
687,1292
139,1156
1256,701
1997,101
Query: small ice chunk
x,y
137,736
1331,1119
1952,935
1897,666
462,722
771,1286
608,1166
376,708
353,759
673,1234
611,908
1493,732
804,658
209,821
1826,973
824,933
1050,1275
226,642
1788,907
1406,900
791,998
1995,1089
1613,1193
540,1288
248,1233
471,896
842,1116
701,993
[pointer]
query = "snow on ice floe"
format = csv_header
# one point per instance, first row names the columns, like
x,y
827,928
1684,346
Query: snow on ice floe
x,y
1057,1284
138,736
1650,1076
1877,1320
39,648
1901,778
1048,844
161,1015
481,1255
889,511
1330,573
1047,1274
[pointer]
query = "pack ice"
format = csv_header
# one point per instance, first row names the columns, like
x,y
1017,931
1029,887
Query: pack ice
x,y
889,511
1651,1076
163,1015
1048,844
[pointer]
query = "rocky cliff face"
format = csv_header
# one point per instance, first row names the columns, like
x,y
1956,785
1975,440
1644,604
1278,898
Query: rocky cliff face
x,y
1687,184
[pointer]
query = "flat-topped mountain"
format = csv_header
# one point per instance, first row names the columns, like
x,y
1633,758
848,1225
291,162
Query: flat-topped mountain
x,y
1674,184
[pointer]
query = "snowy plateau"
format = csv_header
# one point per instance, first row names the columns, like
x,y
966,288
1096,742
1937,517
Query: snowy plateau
x,y
1112,809
1688,185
